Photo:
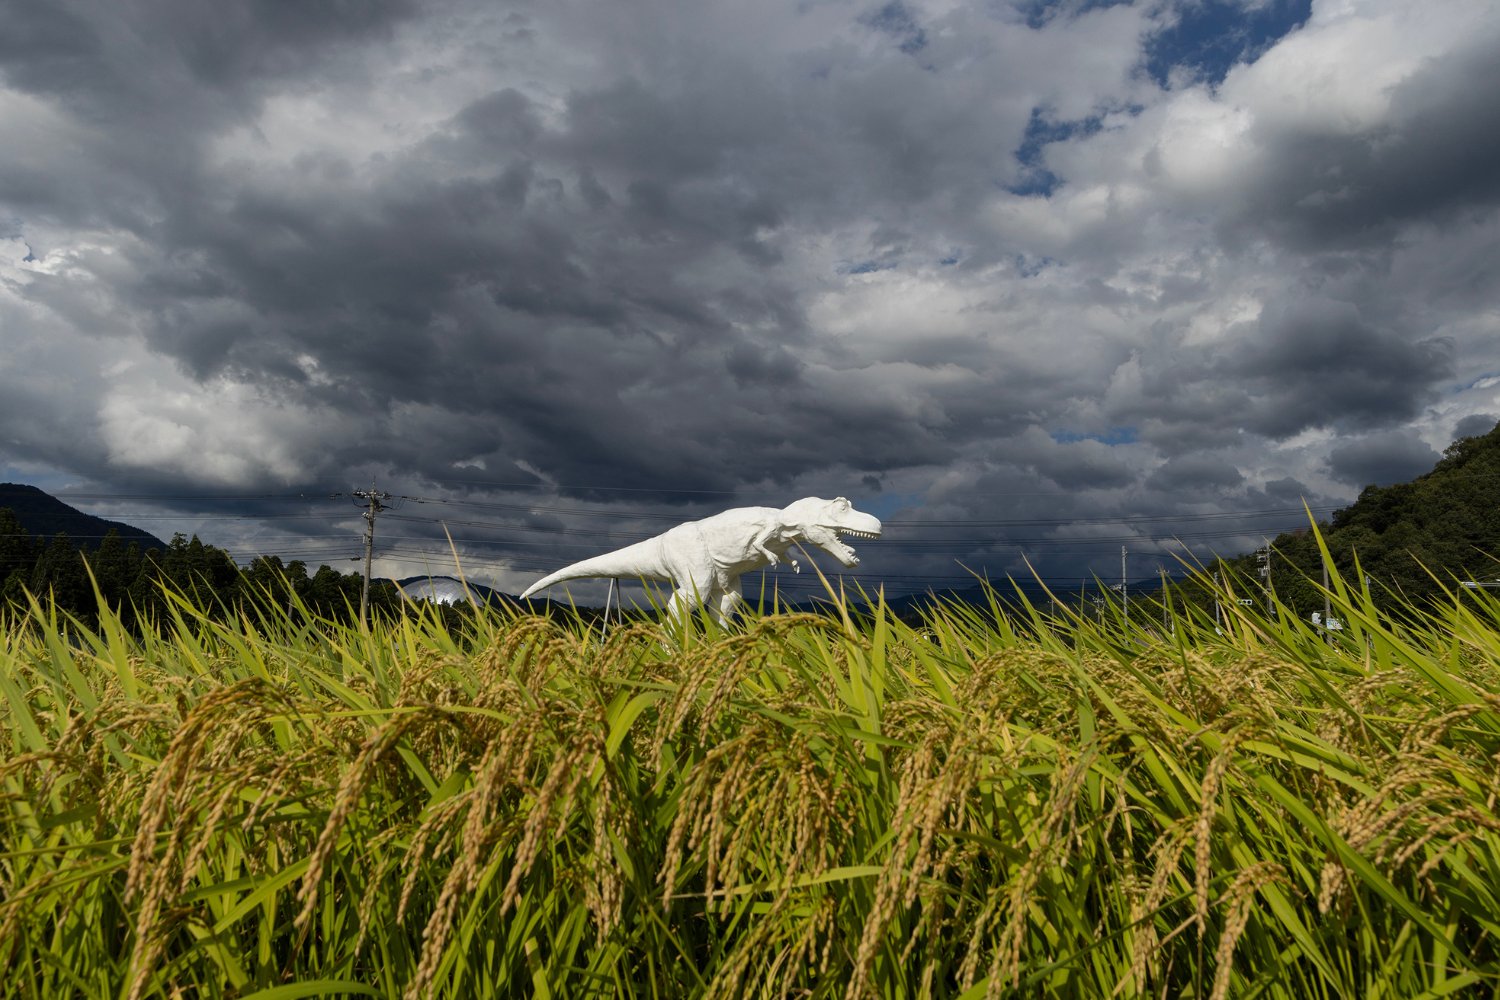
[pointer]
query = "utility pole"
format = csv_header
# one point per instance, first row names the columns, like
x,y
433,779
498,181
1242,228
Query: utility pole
x,y
374,504
1263,567
1124,587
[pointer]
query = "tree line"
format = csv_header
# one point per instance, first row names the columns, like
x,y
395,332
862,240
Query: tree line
x,y
1413,544
135,581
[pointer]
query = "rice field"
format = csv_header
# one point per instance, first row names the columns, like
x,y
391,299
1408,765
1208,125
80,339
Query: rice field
x,y
835,805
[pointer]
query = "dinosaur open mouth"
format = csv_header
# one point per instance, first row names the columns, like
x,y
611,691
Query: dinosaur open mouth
x,y
850,558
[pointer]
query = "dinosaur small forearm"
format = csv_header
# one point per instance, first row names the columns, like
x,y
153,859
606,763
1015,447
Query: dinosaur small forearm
x,y
765,551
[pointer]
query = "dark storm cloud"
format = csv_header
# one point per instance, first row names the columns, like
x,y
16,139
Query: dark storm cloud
x,y
540,286
504,293
1305,363
1475,425
1321,362
1288,491
526,290
768,366
1074,465
126,55
1195,474
1435,155
148,82
1310,363
1381,460
623,254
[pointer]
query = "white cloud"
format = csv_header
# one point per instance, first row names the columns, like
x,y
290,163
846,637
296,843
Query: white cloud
x,y
216,433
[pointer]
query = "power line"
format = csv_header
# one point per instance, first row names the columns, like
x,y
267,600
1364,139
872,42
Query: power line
x,y
574,537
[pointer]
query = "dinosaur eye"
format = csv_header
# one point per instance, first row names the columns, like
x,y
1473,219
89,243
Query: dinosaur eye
x,y
843,504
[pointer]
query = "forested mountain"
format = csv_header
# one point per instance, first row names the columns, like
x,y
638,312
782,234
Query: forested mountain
x,y
1412,540
49,549
43,515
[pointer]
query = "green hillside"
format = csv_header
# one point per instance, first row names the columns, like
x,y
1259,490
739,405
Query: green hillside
x,y
1415,539
42,515
42,539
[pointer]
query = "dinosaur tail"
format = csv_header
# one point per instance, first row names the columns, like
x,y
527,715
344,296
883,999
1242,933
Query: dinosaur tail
x,y
640,561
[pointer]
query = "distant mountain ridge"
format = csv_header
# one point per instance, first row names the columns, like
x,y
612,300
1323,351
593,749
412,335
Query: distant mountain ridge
x,y
44,516
1416,539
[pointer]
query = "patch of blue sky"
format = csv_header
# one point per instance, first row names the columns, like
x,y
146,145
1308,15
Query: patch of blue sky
x,y
1034,182
1030,267
1210,36
43,479
1488,380
896,20
1041,130
1113,436
865,267
11,229
883,505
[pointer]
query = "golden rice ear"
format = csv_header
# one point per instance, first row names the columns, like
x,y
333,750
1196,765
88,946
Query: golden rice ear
x,y
993,801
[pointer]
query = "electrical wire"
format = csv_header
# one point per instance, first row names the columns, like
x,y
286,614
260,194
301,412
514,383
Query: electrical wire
x,y
975,547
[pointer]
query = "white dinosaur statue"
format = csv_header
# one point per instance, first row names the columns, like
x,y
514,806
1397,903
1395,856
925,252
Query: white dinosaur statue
x,y
705,559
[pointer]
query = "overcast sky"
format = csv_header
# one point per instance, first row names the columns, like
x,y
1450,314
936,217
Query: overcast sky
x,y
1048,274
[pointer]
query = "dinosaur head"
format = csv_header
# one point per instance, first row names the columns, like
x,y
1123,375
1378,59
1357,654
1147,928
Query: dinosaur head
x,y
824,522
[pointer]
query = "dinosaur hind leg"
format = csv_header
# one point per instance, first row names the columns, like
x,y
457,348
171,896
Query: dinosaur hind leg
x,y
729,601
721,604
681,604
